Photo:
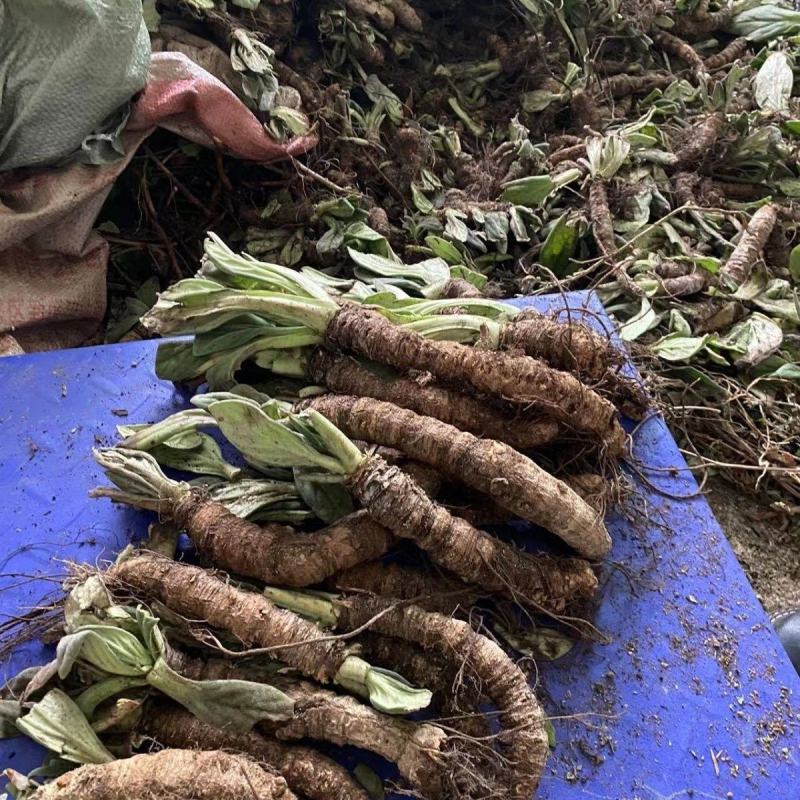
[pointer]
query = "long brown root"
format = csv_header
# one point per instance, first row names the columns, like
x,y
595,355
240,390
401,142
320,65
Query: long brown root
x,y
681,49
458,287
600,217
502,681
213,775
549,584
322,715
307,772
572,347
198,594
458,700
736,270
700,140
428,590
278,553
494,468
416,748
520,379
344,375
731,52
619,86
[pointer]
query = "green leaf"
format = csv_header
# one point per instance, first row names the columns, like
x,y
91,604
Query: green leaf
x,y
773,83
251,497
416,277
232,705
444,249
791,126
537,100
329,501
477,279
206,459
370,780
106,647
455,227
559,247
794,263
605,155
266,443
175,361
386,690
56,722
10,711
678,347
423,205
678,323
789,372
531,191
540,643
645,319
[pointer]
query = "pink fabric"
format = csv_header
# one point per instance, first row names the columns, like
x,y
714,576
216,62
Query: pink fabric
x,y
52,266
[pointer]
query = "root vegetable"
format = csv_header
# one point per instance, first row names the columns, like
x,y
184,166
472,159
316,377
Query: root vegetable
x,y
278,553
198,594
682,50
378,13
731,52
571,347
619,86
685,186
458,287
273,553
213,775
736,270
549,584
519,379
307,772
521,716
572,153
431,591
322,715
416,748
703,22
405,14
494,468
682,285
394,500
699,141
344,375
600,217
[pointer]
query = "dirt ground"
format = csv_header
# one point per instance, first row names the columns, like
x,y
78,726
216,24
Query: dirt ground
x,y
767,546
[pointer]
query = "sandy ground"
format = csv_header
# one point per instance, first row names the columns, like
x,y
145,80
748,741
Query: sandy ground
x,y
767,547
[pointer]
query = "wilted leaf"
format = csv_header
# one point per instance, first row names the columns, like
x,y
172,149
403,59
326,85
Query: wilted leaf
x,y
55,722
773,83
756,337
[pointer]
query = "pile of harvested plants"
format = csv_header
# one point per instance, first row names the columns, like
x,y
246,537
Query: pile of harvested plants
x,y
643,149
369,414
341,575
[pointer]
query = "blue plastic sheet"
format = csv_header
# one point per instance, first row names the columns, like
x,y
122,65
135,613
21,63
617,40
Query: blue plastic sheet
x,y
693,697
